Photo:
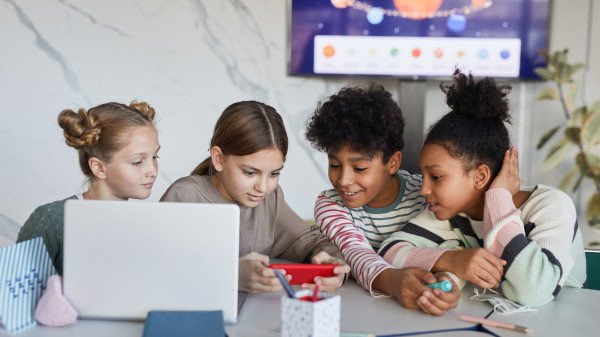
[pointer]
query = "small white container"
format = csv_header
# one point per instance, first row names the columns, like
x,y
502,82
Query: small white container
x,y
304,318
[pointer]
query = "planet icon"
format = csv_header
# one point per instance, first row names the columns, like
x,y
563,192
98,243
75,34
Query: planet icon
x,y
375,15
339,3
456,23
482,54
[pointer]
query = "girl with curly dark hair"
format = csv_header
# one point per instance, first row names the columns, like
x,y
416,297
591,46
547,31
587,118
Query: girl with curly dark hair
x,y
480,224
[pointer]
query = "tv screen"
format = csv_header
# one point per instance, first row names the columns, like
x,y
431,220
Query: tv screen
x,y
418,38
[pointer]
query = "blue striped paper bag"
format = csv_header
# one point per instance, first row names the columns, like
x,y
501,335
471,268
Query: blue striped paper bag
x,y
24,269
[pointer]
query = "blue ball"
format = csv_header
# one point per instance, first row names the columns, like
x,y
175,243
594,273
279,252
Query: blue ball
x,y
375,16
456,23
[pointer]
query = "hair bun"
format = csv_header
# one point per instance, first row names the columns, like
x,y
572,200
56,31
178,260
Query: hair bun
x,y
481,98
79,128
144,108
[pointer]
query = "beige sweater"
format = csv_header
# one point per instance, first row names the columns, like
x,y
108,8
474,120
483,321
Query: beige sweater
x,y
272,228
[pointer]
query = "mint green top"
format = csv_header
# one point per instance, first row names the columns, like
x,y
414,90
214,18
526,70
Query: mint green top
x,y
47,221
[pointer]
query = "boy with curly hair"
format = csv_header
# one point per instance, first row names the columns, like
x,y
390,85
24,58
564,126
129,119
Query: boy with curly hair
x,y
361,130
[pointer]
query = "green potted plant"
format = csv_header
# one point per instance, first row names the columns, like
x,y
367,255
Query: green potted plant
x,y
580,128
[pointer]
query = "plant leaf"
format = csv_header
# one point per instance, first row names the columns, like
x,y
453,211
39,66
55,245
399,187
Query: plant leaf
x,y
546,136
573,134
593,211
572,95
577,117
546,93
564,73
594,107
544,54
590,130
576,67
556,154
544,73
560,56
568,179
593,169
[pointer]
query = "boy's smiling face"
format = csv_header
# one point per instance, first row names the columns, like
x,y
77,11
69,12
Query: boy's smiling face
x,y
361,180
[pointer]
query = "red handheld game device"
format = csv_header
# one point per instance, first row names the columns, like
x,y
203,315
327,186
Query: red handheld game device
x,y
305,273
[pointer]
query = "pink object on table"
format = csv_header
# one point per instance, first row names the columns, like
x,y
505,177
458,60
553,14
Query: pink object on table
x,y
53,308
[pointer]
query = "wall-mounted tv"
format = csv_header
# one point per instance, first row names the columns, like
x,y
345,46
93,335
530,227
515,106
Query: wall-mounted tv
x,y
417,39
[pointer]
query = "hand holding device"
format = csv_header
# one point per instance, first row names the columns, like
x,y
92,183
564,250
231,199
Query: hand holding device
x,y
254,276
305,273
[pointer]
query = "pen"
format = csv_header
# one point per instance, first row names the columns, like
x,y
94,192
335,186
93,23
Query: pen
x,y
316,293
445,285
494,324
285,284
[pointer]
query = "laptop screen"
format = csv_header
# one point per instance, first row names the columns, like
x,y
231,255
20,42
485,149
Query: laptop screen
x,y
123,259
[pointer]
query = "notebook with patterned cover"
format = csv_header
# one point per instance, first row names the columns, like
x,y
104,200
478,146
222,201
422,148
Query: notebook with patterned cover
x,y
24,269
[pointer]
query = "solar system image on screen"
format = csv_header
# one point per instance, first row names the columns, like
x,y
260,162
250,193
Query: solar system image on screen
x,y
417,38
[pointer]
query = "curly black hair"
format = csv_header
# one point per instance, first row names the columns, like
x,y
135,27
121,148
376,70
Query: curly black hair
x,y
474,129
366,119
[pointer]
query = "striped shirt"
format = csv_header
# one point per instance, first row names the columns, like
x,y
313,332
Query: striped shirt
x,y
540,241
359,232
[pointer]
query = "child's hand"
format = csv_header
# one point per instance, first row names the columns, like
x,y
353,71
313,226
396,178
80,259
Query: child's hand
x,y
406,284
328,283
508,177
476,265
435,301
255,277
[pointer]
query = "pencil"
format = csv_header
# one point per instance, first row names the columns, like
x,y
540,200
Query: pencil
x,y
494,324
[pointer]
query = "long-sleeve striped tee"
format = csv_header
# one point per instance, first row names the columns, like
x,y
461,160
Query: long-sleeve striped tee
x,y
359,232
540,241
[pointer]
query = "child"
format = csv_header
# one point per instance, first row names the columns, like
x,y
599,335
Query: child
x,y
118,147
247,152
470,182
361,131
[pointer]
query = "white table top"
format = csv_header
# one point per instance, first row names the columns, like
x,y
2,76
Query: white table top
x,y
572,313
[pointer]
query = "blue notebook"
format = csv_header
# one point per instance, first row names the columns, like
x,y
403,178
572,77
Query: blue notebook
x,y
24,269
184,324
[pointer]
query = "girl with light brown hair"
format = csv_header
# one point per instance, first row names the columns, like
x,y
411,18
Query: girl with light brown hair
x,y
118,151
247,152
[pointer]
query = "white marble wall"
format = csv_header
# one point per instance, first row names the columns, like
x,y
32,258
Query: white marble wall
x,y
187,58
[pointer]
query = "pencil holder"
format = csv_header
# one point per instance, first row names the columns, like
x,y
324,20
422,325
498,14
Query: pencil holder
x,y
301,317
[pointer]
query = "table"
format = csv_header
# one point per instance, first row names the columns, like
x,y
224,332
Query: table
x,y
572,313
360,312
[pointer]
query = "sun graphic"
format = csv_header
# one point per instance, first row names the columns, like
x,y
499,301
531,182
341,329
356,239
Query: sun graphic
x,y
414,9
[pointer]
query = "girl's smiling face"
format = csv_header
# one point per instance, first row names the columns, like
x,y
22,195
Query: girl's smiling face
x,y
448,187
247,179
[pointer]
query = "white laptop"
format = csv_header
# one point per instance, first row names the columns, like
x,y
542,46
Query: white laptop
x,y
123,259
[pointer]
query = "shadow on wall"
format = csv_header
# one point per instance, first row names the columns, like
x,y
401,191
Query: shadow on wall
x,y
8,231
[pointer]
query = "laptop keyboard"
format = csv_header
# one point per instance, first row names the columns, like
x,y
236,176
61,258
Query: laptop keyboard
x,y
241,299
